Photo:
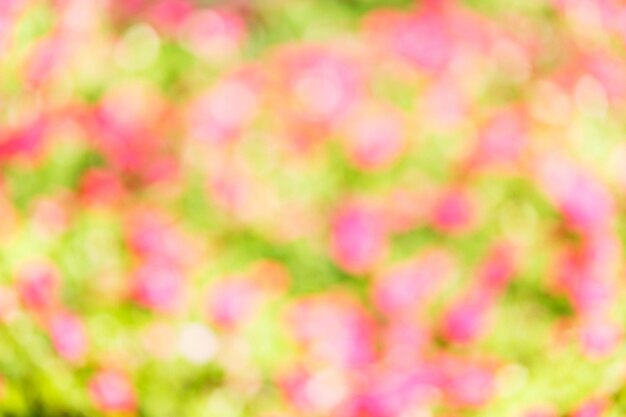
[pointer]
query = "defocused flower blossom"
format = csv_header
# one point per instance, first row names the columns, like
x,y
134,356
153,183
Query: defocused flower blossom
x,y
214,34
502,139
334,329
358,238
423,38
38,286
158,286
68,336
112,392
233,300
453,212
221,114
585,203
409,286
375,137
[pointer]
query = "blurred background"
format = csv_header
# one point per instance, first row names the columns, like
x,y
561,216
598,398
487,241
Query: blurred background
x,y
348,208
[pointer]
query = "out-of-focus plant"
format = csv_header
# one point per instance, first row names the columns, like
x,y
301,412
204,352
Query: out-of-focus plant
x,y
312,208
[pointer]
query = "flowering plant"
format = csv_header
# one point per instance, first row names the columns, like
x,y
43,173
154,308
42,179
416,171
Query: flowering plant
x,y
312,208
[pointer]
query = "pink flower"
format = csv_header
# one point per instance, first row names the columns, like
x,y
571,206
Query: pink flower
x,y
591,408
113,392
233,300
588,293
38,285
232,191
169,15
469,385
404,343
322,85
609,71
334,329
422,38
69,336
453,212
358,238
293,387
390,393
27,140
158,286
45,60
584,278
9,10
465,320
502,139
498,268
599,336
220,115
585,203
411,284
375,137
51,214
152,236
126,142
215,34
444,104
470,30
